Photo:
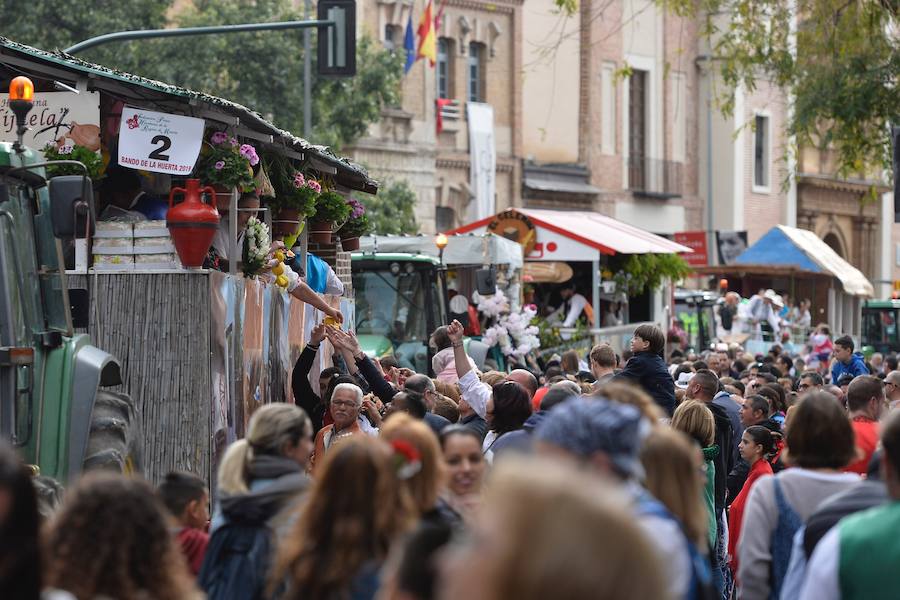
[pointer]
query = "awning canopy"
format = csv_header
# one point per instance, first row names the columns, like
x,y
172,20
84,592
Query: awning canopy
x,y
461,249
572,235
785,246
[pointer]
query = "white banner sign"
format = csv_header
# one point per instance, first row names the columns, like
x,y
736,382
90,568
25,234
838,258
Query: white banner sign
x,y
483,159
59,118
160,142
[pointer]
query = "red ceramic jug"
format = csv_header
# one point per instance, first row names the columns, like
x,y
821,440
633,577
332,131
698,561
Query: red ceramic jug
x,y
192,223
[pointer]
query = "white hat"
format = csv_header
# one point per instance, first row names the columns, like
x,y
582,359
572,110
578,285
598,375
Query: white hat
x,y
778,301
684,380
770,294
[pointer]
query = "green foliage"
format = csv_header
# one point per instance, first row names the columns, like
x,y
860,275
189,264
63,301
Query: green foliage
x,y
841,68
55,25
567,7
392,211
261,70
331,206
89,158
639,272
357,227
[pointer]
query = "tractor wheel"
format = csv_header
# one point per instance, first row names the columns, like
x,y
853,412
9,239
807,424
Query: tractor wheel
x,y
115,439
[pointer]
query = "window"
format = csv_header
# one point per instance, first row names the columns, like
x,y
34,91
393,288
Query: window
x,y
761,152
444,68
393,37
637,129
476,75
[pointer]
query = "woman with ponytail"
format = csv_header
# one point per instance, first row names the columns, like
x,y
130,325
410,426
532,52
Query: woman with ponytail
x,y
757,447
260,477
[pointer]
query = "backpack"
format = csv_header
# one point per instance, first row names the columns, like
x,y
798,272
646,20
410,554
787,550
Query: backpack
x,y
701,583
237,562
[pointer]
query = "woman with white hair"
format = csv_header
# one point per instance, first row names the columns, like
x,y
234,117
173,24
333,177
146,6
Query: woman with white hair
x,y
346,402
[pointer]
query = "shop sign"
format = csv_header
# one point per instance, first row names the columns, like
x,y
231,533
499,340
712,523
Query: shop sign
x,y
159,142
515,226
696,241
59,118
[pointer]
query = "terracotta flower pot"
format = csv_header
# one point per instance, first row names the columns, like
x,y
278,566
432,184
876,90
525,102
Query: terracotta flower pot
x,y
321,232
223,197
286,221
350,244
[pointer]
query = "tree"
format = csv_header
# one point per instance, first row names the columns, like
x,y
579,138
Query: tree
x,y
839,63
56,25
261,70
392,210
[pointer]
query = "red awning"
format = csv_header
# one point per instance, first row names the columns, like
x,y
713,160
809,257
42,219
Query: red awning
x,y
608,235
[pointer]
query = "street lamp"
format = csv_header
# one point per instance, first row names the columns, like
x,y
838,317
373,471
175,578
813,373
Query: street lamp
x,y
441,241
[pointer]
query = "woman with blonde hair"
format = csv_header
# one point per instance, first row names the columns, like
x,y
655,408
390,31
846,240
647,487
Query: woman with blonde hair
x,y
357,507
542,537
111,539
425,474
694,419
673,475
260,476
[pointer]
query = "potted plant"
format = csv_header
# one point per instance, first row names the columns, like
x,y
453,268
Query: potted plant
x,y
295,199
357,225
226,164
331,208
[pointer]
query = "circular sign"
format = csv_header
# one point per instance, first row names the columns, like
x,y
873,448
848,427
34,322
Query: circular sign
x,y
515,226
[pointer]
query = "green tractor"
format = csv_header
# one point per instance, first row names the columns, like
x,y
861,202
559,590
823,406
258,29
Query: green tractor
x,y
400,299
53,407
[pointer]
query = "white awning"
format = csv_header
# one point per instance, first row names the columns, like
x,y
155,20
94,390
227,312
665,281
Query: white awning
x,y
854,282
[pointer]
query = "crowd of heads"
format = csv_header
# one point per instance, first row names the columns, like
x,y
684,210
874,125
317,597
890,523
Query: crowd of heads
x,y
596,474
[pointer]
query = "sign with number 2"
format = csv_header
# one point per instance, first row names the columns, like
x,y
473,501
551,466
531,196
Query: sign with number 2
x,y
159,142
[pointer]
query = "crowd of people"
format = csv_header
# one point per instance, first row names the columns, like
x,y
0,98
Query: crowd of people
x,y
692,475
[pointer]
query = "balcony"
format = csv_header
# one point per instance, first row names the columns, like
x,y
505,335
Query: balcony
x,y
655,178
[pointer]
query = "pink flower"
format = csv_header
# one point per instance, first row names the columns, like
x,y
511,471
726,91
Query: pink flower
x,y
219,165
219,137
234,142
299,180
313,185
249,152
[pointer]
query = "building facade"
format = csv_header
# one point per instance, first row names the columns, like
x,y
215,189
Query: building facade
x,y
426,140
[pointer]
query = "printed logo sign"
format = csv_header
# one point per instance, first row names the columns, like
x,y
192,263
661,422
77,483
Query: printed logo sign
x,y
159,142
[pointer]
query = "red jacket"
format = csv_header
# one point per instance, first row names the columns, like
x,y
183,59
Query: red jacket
x,y
736,512
193,544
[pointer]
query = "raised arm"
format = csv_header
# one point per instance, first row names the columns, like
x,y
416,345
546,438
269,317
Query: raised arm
x,y
475,393
377,384
304,395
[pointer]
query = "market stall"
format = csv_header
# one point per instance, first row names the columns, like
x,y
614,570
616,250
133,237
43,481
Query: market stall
x,y
797,262
576,240
199,348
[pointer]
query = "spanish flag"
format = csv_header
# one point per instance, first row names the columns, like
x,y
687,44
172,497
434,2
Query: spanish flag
x,y
427,37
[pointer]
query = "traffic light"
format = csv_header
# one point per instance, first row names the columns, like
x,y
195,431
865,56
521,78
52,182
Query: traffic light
x,y
336,50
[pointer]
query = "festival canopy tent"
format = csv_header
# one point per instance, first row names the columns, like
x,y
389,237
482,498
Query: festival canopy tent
x,y
800,258
804,250
572,236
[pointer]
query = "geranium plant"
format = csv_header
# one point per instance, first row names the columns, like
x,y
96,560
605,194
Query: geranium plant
x,y
293,190
358,224
331,207
226,162
89,158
